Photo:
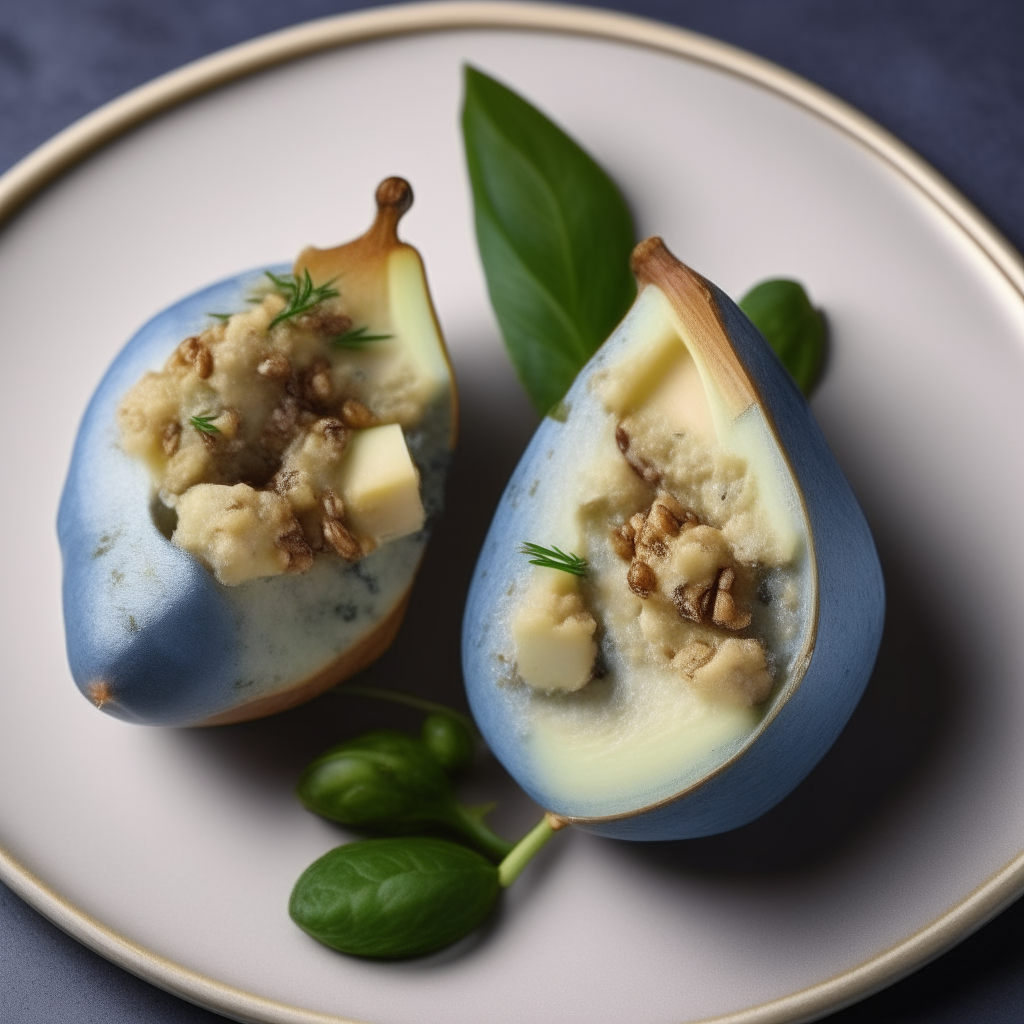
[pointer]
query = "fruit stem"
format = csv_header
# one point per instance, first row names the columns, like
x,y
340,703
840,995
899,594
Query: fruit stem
x,y
471,825
394,697
527,848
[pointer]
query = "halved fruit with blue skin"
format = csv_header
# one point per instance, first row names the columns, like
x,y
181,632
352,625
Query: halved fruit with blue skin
x,y
152,635
732,603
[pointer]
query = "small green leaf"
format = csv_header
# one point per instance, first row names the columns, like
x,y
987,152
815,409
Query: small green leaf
x,y
301,295
357,337
554,234
783,313
204,424
222,317
394,898
386,783
555,558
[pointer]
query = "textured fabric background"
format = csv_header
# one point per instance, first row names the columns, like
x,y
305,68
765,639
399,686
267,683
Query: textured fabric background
x,y
947,76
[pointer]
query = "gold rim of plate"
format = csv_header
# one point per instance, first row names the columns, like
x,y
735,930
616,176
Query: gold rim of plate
x,y
89,134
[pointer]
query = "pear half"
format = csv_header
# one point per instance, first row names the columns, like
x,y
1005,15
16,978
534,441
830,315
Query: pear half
x,y
251,487
711,604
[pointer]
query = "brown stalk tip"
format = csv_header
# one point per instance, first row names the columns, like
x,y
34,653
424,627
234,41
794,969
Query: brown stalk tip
x,y
644,252
394,194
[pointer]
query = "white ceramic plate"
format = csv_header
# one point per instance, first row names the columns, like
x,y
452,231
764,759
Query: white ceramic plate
x,y
173,852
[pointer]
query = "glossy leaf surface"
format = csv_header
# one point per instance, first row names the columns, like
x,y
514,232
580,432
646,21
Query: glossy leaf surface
x,y
783,313
386,783
394,898
448,741
554,235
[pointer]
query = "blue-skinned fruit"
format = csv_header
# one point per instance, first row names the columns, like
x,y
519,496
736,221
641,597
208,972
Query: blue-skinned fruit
x,y
701,603
252,485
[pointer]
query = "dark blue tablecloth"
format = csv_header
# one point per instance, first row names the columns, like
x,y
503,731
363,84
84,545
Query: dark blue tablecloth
x,y
947,76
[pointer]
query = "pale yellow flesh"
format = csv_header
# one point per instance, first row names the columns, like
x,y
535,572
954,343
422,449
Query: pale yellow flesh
x,y
642,727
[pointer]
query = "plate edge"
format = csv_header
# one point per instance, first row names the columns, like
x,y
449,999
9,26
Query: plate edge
x,y
83,137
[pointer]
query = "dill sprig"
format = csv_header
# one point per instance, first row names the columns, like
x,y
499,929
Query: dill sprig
x,y
357,337
223,317
301,293
204,424
555,558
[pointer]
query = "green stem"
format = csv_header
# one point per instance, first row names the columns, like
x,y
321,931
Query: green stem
x,y
471,825
394,697
527,848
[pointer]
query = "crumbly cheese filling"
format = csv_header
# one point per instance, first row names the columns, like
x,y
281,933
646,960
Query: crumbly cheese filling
x,y
679,550
638,676
276,440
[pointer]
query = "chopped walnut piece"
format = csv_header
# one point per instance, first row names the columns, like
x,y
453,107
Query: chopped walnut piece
x,y
725,612
334,507
661,521
641,578
194,353
341,540
333,432
622,541
641,466
284,480
356,415
315,386
171,438
322,321
275,367
293,543
321,386
693,656
693,601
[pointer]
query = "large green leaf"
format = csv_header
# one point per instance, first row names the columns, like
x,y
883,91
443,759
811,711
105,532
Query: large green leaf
x,y
554,235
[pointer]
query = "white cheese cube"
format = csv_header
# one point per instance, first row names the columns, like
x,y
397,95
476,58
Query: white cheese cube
x,y
554,635
379,485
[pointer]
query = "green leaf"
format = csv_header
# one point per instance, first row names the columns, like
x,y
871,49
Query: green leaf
x,y
357,337
448,741
386,783
555,558
783,313
204,424
301,295
554,235
394,898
